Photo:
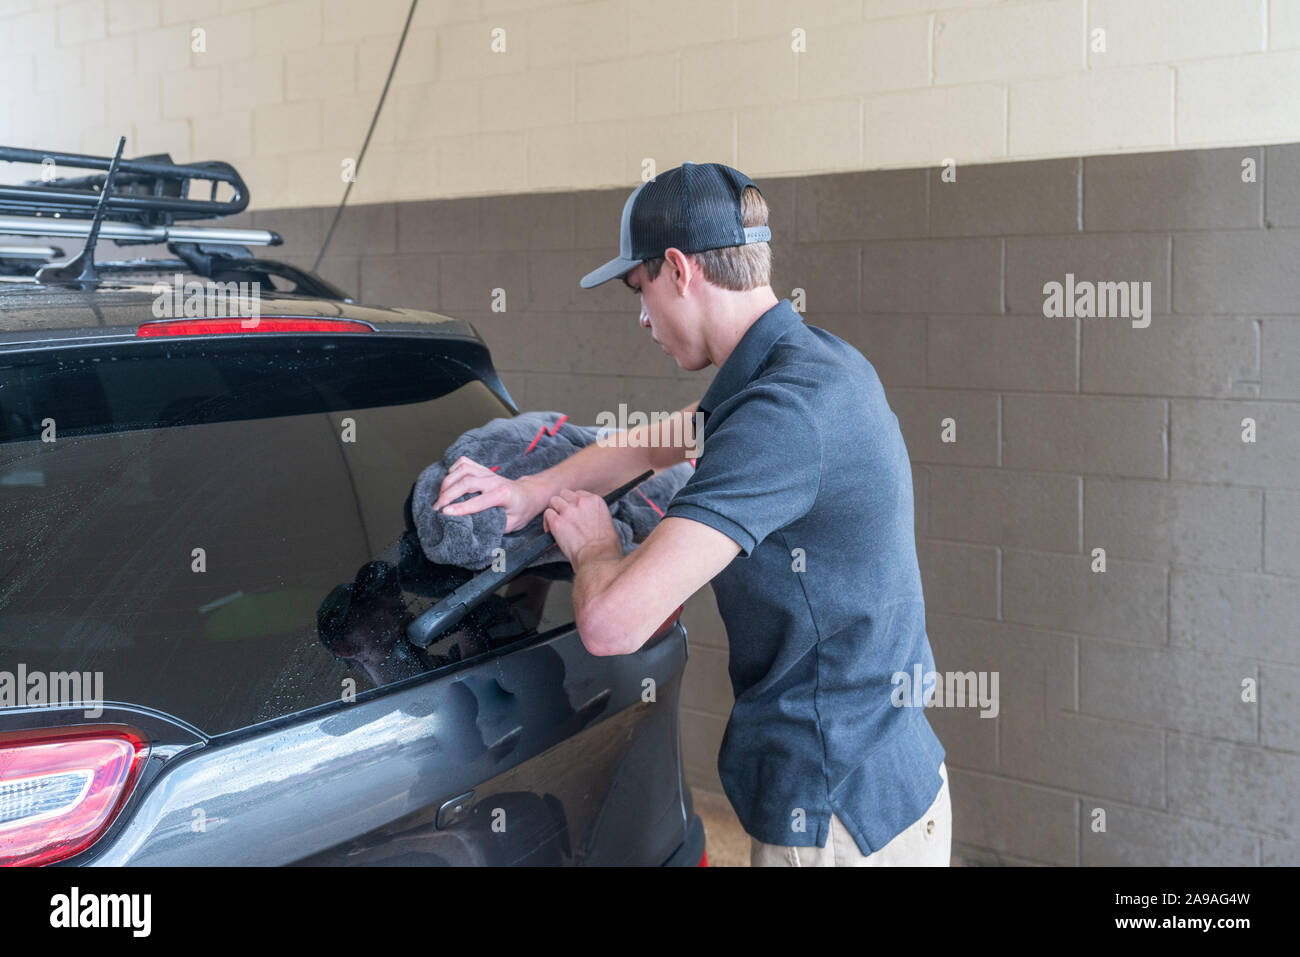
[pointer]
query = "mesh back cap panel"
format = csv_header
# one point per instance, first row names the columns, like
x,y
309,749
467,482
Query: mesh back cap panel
x,y
692,207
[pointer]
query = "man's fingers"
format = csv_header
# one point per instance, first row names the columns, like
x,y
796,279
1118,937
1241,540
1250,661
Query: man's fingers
x,y
475,504
464,468
465,475
453,487
466,464
494,496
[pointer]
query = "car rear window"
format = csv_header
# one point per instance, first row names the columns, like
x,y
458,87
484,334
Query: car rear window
x,y
222,530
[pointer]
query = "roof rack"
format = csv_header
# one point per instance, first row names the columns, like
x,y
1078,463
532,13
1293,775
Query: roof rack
x,y
148,196
149,190
137,201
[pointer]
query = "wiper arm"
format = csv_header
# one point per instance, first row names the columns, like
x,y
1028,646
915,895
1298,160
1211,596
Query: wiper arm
x,y
452,608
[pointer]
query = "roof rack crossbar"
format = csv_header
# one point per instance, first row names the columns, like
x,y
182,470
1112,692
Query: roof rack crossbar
x,y
30,253
130,232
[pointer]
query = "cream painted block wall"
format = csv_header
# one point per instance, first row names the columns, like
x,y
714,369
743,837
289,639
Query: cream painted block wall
x,y
584,94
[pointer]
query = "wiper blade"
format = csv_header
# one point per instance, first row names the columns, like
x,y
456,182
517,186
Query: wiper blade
x,y
452,608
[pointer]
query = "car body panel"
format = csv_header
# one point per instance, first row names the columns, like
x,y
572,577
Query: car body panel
x,y
565,755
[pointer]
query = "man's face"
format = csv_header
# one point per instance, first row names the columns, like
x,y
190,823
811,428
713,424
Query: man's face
x,y
661,313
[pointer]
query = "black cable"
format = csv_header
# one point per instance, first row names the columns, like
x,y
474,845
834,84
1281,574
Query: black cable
x,y
397,55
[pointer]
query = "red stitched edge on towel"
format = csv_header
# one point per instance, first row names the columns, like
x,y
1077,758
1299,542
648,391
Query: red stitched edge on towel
x,y
652,504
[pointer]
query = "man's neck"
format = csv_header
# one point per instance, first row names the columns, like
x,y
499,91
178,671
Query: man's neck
x,y
730,316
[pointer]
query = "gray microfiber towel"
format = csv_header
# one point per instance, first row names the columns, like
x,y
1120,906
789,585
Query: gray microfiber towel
x,y
523,445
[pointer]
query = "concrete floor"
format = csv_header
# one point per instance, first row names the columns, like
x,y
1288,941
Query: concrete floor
x,y
725,841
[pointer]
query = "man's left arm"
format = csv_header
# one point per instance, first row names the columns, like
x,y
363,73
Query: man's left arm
x,y
619,601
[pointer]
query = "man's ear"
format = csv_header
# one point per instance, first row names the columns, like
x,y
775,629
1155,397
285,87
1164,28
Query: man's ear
x,y
683,267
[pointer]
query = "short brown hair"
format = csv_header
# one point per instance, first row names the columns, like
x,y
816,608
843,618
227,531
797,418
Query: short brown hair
x,y
734,267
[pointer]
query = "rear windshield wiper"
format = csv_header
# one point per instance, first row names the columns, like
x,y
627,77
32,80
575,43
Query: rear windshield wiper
x,y
455,606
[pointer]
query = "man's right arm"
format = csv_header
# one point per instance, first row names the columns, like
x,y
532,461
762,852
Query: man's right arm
x,y
598,468
601,468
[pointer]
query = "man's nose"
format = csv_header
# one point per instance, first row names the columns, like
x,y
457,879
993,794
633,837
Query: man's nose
x,y
645,317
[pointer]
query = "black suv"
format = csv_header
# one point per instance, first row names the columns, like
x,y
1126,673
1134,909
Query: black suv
x,y
208,564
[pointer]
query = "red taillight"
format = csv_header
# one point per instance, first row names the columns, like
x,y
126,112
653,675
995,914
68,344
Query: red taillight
x,y
228,325
60,789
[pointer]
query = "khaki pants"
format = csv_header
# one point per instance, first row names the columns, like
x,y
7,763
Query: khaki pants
x,y
925,843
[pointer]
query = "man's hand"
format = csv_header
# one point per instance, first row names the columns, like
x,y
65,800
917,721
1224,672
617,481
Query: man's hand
x,y
466,475
582,526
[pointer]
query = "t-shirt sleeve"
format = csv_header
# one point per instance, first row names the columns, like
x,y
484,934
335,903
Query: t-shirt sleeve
x,y
758,471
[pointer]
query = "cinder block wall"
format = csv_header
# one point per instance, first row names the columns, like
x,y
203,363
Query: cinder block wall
x,y
502,96
1120,692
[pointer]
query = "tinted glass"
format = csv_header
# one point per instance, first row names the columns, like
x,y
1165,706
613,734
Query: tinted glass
x,y
224,532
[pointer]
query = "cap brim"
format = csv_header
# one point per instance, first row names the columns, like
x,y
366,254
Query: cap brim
x,y
618,266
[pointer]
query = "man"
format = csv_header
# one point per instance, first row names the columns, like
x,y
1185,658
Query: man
x,y
800,514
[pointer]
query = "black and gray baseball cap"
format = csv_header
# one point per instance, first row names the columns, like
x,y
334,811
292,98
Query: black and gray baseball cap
x,y
692,207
